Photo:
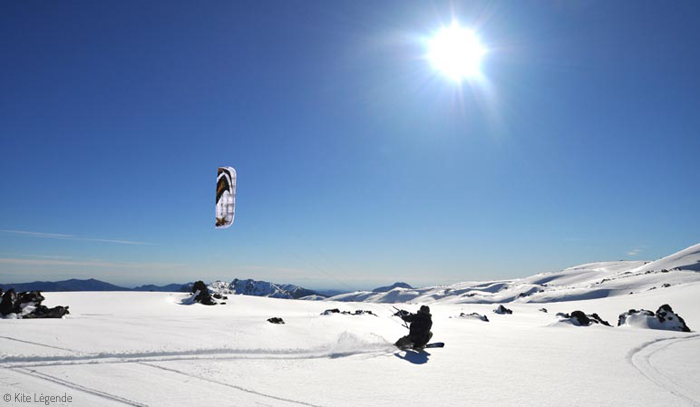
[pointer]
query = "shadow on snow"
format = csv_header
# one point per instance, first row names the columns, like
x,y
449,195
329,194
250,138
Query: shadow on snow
x,y
415,357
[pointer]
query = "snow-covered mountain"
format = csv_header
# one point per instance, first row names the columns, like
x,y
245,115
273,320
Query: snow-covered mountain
x,y
262,289
391,287
587,281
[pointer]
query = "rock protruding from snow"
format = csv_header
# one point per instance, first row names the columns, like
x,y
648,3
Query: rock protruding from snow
x,y
275,320
356,312
580,318
502,310
8,302
391,287
28,305
474,315
664,319
42,311
200,294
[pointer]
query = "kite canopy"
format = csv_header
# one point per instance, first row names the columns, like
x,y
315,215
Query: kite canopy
x,y
225,197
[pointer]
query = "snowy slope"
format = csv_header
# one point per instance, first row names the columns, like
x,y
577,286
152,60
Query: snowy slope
x,y
587,281
147,349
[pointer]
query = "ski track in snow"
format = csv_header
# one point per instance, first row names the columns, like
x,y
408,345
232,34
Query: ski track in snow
x,y
243,389
78,387
160,357
640,359
199,354
36,343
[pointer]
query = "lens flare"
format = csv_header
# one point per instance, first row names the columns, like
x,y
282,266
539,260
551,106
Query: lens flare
x,y
456,52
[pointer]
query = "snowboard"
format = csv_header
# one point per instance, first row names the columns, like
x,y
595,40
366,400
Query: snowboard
x,y
430,345
435,345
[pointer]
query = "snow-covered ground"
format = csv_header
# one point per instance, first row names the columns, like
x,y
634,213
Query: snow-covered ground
x,y
147,348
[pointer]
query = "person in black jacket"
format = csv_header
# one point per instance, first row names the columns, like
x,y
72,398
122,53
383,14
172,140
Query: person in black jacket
x,y
419,332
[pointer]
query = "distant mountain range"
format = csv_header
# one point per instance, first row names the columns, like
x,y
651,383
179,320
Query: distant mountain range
x,y
243,287
65,285
169,288
90,285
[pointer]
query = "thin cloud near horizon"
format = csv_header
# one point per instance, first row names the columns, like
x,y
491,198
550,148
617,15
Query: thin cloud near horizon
x,y
62,236
634,251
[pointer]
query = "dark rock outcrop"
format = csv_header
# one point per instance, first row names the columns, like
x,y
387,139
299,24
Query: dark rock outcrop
x,y
27,298
502,310
356,312
474,315
580,318
8,302
275,320
43,311
199,286
28,305
201,294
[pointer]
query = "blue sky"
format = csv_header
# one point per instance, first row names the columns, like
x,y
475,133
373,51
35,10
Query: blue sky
x,y
358,164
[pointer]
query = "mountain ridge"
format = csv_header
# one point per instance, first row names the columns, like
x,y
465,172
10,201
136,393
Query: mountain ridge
x,y
582,282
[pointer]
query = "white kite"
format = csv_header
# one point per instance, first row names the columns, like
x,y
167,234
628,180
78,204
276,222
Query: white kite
x,y
225,197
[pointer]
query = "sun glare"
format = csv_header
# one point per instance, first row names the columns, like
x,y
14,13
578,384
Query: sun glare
x,y
456,52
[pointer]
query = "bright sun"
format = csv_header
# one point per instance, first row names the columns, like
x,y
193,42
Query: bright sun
x,y
456,52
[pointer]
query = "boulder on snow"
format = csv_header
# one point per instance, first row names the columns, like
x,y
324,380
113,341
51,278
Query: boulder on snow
x,y
361,312
664,319
199,286
474,315
200,294
275,320
543,310
579,318
28,305
8,302
502,310
43,311
26,299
